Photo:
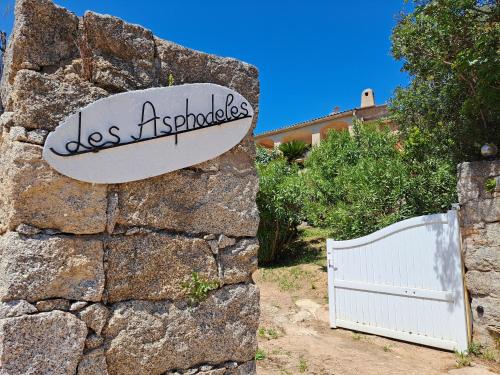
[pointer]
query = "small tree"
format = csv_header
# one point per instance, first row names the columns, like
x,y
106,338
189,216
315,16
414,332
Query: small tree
x,y
450,50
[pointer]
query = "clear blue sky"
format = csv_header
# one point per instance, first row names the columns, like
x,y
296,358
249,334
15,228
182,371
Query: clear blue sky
x,y
311,55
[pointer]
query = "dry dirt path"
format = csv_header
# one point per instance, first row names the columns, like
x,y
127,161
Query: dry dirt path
x,y
295,338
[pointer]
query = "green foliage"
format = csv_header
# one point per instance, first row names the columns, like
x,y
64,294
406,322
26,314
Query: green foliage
x,y
280,201
479,350
198,288
462,359
355,184
450,50
265,155
268,333
489,355
490,185
431,178
170,80
294,150
303,364
359,184
475,348
260,355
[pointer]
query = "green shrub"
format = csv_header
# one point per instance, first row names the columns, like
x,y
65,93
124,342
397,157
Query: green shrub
x,y
265,156
431,183
280,201
357,184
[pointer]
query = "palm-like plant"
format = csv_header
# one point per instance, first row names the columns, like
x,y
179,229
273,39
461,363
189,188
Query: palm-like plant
x,y
294,150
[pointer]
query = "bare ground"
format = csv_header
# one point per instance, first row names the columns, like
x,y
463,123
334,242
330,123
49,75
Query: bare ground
x,y
295,337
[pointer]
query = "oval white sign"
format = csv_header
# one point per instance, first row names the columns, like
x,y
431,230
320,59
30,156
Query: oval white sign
x,y
141,134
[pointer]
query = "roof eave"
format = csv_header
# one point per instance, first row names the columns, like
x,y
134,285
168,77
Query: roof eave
x,y
300,125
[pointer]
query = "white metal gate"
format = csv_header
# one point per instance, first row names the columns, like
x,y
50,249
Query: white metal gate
x,y
404,281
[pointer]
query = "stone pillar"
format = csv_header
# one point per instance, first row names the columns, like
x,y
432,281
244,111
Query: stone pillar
x,y
316,139
480,226
91,276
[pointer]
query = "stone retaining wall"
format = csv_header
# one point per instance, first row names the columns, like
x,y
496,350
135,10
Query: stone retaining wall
x,y
91,275
480,226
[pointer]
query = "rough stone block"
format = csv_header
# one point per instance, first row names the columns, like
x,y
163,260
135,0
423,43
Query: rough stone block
x,y
248,368
93,363
154,266
192,202
77,306
235,74
482,250
12,309
33,193
44,35
472,177
217,371
53,304
123,55
46,343
41,101
184,64
149,338
486,319
190,66
238,262
483,283
45,267
95,317
481,210
93,341
225,241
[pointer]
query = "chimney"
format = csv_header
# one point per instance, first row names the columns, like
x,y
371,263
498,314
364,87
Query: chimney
x,y
367,98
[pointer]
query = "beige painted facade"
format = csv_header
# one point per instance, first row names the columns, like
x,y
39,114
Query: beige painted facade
x,y
315,130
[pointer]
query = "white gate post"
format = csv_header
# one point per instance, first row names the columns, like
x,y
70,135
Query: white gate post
x,y
456,243
331,286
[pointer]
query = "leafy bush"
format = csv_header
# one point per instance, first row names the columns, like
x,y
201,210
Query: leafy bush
x,y
280,201
293,150
431,184
265,155
359,184
355,183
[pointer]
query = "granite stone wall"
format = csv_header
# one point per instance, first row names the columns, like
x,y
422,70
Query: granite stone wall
x,y
91,275
480,227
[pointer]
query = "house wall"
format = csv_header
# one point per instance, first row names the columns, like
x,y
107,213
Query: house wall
x,y
311,134
480,227
316,130
92,276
